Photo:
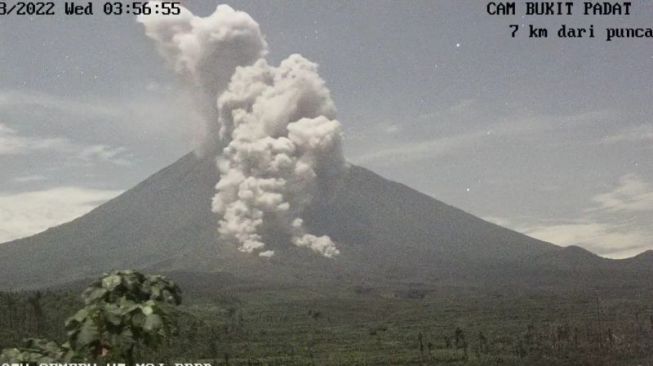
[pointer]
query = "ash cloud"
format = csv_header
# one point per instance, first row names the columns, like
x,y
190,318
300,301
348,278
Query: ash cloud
x,y
273,130
204,52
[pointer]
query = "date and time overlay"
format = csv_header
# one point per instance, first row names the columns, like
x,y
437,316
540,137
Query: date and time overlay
x,y
50,8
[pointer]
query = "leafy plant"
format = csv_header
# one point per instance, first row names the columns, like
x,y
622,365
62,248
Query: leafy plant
x,y
123,310
36,351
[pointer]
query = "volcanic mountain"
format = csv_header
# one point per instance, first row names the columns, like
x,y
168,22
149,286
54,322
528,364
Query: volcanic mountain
x,y
386,233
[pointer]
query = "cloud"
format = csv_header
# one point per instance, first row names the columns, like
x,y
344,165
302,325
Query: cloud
x,y
465,134
29,178
115,155
610,240
641,133
430,149
148,115
391,129
12,143
632,194
614,225
27,213
12,99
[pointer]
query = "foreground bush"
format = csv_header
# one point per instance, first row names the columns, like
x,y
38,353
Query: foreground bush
x,y
122,311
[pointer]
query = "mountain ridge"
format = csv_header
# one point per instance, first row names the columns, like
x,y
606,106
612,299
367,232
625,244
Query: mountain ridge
x,y
386,232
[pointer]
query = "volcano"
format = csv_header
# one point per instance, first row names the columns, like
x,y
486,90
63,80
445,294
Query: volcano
x,y
386,233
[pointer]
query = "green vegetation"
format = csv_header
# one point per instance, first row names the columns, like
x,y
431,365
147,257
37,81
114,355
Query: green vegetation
x,y
357,325
122,311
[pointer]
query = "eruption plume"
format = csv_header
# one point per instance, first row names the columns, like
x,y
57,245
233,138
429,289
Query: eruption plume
x,y
273,129
204,53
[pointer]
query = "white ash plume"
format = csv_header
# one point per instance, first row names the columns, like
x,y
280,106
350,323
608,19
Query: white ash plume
x,y
285,146
204,52
273,128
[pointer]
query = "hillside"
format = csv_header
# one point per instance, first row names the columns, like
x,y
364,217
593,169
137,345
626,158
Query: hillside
x,y
386,232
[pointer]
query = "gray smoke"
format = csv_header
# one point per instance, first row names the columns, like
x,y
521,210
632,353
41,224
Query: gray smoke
x,y
205,52
274,130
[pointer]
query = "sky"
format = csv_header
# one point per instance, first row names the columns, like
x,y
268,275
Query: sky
x,y
549,137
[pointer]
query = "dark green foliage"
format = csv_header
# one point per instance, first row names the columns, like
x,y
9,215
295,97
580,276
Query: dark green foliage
x,y
122,311
36,351
21,319
132,286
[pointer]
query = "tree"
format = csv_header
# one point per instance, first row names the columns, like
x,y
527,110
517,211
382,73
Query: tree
x,y
460,342
122,311
35,303
482,343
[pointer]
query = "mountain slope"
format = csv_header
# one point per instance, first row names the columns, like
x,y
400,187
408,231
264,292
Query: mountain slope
x,y
385,231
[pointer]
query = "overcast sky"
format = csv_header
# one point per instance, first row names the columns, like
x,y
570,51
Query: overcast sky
x,y
553,138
